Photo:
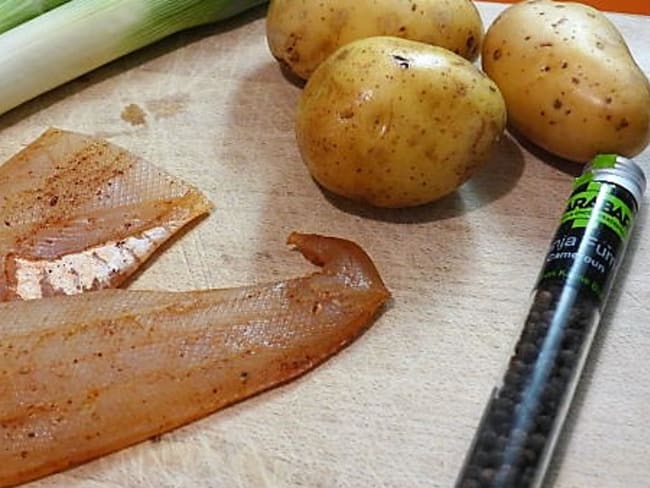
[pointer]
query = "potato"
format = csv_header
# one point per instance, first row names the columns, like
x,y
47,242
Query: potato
x,y
302,33
570,83
397,123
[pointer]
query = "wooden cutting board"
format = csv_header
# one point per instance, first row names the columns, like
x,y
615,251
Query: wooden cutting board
x,y
398,408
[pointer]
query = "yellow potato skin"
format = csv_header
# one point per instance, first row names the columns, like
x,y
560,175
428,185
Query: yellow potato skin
x,y
397,123
302,33
569,80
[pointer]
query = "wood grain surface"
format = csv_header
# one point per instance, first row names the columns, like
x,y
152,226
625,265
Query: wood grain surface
x,y
398,408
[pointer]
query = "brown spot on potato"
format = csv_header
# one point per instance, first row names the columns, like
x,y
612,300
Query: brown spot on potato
x,y
347,114
575,80
623,123
557,104
292,54
496,54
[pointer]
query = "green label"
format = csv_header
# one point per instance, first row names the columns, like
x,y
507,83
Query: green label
x,y
601,161
612,211
587,246
604,161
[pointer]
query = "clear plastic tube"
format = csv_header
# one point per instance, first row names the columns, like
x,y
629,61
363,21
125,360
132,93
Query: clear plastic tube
x,y
520,427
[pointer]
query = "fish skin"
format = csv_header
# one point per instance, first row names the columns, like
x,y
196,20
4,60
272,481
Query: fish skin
x,y
78,213
85,375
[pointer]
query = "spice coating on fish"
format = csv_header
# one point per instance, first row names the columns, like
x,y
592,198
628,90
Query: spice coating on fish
x,y
85,375
78,213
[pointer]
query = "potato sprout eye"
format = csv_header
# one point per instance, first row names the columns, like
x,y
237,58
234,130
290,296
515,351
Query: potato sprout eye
x,y
401,61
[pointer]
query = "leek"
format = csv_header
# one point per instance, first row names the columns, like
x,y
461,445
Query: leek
x,y
14,12
81,35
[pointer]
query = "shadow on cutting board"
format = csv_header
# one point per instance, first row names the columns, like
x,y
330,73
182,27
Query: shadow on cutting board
x,y
570,168
127,63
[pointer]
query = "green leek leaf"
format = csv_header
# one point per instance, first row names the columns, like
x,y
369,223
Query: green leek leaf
x,y
81,35
15,12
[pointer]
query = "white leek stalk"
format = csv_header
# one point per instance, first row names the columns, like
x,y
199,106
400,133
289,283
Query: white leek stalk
x,y
14,12
81,35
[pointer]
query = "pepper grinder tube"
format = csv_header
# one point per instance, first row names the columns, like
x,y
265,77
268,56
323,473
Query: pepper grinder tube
x,y
522,421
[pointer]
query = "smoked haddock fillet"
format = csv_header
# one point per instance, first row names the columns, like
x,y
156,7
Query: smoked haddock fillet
x,y
78,213
85,375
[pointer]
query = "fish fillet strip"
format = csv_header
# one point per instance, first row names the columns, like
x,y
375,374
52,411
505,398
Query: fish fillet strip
x,y
78,213
85,375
